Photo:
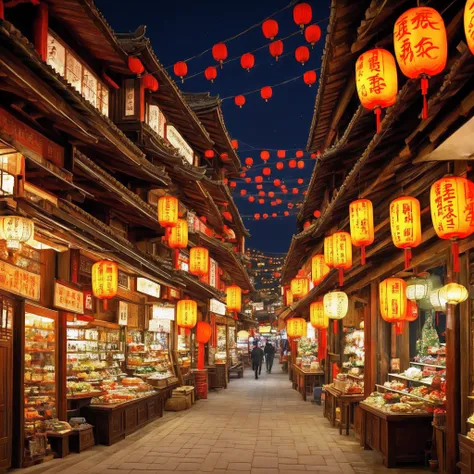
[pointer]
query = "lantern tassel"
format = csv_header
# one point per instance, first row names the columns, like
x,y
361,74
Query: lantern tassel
x,y
399,328
187,331
378,114
335,327
341,277
455,254
105,305
424,91
407,258
236,318
200,356
362,255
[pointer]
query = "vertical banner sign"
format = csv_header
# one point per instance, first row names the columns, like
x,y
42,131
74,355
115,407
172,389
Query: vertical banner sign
x,y
123,313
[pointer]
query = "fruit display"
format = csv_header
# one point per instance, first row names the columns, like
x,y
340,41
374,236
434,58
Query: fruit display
x,y
133,388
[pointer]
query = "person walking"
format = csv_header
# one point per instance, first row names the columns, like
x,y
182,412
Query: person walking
x,y
269,356
256,356
262,354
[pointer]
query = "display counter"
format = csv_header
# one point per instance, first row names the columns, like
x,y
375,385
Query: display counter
x,y
113,422
346,402
399,437
304,381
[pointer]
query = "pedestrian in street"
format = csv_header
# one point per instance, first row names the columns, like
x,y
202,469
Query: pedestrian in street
x,y
262,354
256,356
269,352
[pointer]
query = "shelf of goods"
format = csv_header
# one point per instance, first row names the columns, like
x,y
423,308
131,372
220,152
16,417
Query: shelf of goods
x,y
354,355
218,355
233,352
184,353
40,390
307,355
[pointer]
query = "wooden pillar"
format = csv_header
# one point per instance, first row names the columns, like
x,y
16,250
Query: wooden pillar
x,y
142,99
61,370
370,340
41,30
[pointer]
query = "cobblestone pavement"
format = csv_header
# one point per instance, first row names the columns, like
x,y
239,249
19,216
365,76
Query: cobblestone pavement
x,y
254,427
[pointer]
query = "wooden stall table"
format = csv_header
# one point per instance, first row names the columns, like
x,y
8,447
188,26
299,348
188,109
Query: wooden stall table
x,y
346,402
305,381
399,437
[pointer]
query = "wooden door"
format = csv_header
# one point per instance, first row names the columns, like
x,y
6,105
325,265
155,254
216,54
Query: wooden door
x,y
6,380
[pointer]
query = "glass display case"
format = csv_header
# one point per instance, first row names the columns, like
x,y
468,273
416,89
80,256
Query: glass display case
x,y
233,352
221,350
184,353
39,380
354,355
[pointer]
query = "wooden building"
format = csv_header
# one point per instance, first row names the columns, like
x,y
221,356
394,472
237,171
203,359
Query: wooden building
x,y
93,132
405,158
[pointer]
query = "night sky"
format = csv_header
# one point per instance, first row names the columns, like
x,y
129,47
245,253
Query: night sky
x,y
184,28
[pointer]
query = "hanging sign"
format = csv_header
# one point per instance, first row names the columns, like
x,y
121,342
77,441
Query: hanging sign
x,y
213,273
123,313
19,281
69,299
265,329
159,325
161,311
148,287
217,307
175,138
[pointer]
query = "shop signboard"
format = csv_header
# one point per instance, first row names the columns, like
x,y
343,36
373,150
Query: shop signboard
x,y
175,138
19,282
163,311
217,307
265,329
159,325
123,313
258,306
68,299
213,273
148,287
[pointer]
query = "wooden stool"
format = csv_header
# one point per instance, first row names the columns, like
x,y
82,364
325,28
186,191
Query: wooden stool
x,y
59,443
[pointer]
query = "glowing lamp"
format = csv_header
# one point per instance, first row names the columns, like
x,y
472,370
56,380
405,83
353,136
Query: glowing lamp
x,y
417,288
168,207
105,280
234,298
186,314
453,293
318,319
361,217
199,261
299,286
296,328
329,251
16,230
393,300
319,269
342,253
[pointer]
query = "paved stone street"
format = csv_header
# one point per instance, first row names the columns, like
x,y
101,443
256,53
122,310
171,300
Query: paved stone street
x,y
255,427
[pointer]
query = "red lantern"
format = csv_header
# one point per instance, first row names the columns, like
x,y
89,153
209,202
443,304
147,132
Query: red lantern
x,y
210,73
267,171
302,14
150,83
306,225
256,216
291,205
312,34
203,334
243,192
259,179
421,46
302,54
301,164
186,314
276,182
452,211
248,180
300,181
181,69
376,81
286,213
412,311
274,214
168,208
239,100
280,166
105,280
209,154
265,155
342,248
233,184
249,161
265,216
251,199
299,154
271,194
295,191
317,214
292,164
276,49
281,154
235,144
259,186
219,53
405,224
270,29
361,217
135,65
261,193
266,93
469,24
309,78
261,201
247,61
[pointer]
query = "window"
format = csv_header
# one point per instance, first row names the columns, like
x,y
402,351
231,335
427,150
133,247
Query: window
x,y
66,63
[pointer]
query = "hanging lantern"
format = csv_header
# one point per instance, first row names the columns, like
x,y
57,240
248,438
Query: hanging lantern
x,y
243,192
452,211
210,73
306,225
265,155
203,334
453,293
16,230
168,207
259,186
317,214
247,61
342,247
302,54
376,81
421,46
319,269
274,214
292,163
299,286
438,301
209,154
417,288
251,199
150,83
412,311
300,164
219,53
199,261
266,93
186,314
181,69
336,306
361,216
239,100
249,161
296,328
318,318
329,251
261,193
261,201
276,49
135,65
105,280
256,216
300,181
309,78
234,298
266,171
299,154
277,182
265,216
312,34
405,224
469,24
286,213
235,144
248,180
302,14
281,154
259,179
270,29
393,300
233,184
295,191
280,166
178,239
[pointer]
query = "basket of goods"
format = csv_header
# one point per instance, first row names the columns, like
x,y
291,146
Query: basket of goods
x,y
401,408
354,389
391,397
131,381
439,417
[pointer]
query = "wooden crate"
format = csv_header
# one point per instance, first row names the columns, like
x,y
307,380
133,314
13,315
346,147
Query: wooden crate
x,y
80,440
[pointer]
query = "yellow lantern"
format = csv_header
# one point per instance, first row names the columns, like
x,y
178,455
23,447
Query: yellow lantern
x,y
361,217
342,248
393,300
437,301
329,251
178,239
186,314
299,286
105,280
469,24
199,261
405,224
417,288
336,305
234,298
318,318
453,293
288,297
16,230
168,207
319,269
296,327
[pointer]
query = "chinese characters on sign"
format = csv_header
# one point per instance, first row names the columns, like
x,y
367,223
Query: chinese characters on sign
x,y
68,299
122,313
129,97
148,287
20,282
175,138
217,307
